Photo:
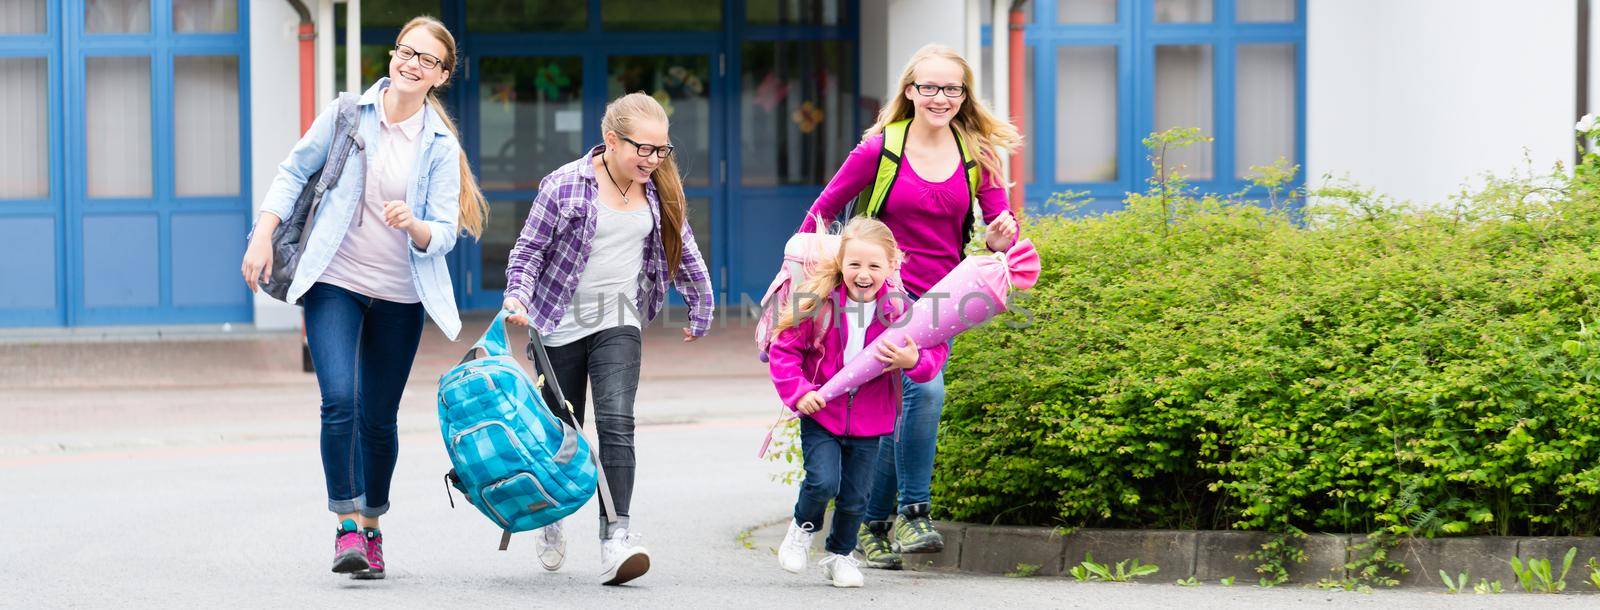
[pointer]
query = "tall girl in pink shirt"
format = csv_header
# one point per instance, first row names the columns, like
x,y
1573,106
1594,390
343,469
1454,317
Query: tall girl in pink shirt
x,y
927,208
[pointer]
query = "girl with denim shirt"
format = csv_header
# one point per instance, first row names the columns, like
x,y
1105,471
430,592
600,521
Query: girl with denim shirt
x,y
839,311
372,266
604,237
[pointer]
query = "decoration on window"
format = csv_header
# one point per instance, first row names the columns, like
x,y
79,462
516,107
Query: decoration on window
x,y
808,117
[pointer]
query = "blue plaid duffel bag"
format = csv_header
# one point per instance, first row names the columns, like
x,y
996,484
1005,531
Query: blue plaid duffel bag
x,y
523,465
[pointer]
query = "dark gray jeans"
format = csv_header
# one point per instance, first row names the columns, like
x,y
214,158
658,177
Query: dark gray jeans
x,y
609,361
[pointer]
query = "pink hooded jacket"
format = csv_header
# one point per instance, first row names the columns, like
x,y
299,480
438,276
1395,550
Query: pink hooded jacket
x,y
798,366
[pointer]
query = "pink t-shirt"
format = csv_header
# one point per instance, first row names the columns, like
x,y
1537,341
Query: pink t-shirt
x,y
373,259
926,216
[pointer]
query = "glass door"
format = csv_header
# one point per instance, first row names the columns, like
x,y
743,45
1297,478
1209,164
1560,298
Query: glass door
x,y
530,114
527,119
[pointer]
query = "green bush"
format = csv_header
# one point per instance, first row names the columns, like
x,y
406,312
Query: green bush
x,y
1348,365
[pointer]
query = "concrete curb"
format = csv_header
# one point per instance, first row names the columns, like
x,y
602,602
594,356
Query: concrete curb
x,y
1209,556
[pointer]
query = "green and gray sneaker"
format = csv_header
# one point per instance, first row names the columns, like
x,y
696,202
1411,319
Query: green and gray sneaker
x,y
873,542
915,532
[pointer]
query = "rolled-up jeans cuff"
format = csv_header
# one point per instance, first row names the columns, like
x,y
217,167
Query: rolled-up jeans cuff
x,y
345,507
374,511
607,528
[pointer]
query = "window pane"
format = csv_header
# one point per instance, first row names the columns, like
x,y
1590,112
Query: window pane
x,y
117,16
118,126
491,16
22,17
683,85
1265,11
796,12
205,15
797,110
1086,114
395,13
25,159
1086,11
505,223
1264,108
1184,99
700,224
205,126
1183,11
658,15
530,119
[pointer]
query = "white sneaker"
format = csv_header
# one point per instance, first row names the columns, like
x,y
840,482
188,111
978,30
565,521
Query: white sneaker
x,y
795,552
622,559
843,570
552,546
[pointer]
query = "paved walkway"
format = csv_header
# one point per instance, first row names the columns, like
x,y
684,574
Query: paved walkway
x,y
127,482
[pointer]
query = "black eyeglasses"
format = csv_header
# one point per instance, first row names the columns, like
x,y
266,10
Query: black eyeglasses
x,y
405,53
646,150
950,91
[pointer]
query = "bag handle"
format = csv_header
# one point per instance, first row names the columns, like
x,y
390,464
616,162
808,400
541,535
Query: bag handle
x,y
347,114
493,342
538,354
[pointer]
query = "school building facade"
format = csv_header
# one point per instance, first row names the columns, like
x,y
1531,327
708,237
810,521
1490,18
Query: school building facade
x,y
143,133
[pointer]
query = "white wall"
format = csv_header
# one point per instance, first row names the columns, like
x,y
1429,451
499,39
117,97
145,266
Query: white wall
x,y
908,25
1416,98
274,119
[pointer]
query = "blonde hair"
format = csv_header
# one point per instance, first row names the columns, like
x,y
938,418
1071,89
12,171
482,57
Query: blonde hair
x,y
814,297
621,115
978,127
474,209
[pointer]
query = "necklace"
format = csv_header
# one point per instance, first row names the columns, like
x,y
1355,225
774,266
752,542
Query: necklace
x,y
624,192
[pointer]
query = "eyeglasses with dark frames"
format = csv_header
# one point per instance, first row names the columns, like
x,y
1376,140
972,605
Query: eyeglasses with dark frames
x,y
405,53
646,150
950,91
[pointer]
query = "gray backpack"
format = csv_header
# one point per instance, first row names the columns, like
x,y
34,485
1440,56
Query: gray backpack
x,y
288,240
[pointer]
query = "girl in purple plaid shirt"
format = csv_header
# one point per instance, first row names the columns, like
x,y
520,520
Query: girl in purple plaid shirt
x,y
605,236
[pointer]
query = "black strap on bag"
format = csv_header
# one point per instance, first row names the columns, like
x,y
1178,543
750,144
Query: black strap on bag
x,y
537,353
288,239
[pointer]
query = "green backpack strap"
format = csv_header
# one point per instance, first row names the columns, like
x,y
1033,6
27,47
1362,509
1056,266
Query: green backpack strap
x,y
870,202
969,164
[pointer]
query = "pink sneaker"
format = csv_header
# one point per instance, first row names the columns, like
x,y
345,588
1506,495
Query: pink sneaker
x,y
374,546
349,549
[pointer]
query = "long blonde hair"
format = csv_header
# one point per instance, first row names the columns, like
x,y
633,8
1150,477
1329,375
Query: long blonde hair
x,y
979,127
621,114
814,297
474,209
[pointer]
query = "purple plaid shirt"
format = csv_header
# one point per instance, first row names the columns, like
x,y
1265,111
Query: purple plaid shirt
x,y
544,266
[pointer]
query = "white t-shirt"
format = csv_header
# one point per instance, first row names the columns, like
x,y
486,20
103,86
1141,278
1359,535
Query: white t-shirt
x,y
608,288
857,317
373,259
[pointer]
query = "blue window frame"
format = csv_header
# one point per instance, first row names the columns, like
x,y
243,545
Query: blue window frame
x,y
160,242
1171,63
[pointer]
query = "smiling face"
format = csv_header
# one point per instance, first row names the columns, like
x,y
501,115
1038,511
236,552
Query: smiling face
x,y
863,269
938,110
624,155
409,75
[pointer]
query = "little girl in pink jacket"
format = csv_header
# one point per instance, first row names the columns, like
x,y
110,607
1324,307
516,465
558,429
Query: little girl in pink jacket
x,y
840,310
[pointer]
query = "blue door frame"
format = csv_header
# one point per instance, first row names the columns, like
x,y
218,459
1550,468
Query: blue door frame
x,y
749,224
466,262
157,259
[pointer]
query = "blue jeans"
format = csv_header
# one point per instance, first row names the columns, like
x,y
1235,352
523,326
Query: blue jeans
x,y
837,468
362,348
905,459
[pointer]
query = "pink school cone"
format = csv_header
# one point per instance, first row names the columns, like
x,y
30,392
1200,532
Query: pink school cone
x,y
971,294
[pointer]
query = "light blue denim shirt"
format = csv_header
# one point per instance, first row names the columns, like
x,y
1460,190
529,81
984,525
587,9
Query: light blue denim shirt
x,y
434,195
